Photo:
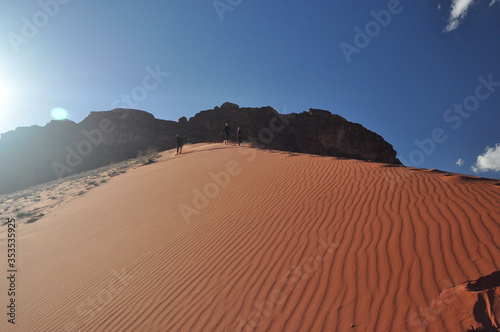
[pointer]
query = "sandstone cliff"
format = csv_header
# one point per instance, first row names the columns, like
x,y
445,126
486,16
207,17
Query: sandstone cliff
x,y
36,154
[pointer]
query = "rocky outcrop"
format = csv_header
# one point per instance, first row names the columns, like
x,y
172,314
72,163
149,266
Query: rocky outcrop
x,y
33,155
316,132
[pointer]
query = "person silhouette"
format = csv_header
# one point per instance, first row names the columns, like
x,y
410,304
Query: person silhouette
x,y
179,142
239,133
226,131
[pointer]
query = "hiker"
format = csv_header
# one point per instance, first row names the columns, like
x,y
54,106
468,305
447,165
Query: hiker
x,y
179,142
239,133
226,131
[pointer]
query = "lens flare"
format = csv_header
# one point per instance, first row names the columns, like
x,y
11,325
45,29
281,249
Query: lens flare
x,y
59,113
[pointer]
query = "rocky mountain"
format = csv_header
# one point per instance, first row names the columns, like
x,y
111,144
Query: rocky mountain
x,y
33,155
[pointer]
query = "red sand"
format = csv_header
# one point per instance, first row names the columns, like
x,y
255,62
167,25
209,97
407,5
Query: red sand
x,y
284,242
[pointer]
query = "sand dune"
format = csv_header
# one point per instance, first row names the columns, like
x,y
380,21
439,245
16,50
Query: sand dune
x,y
223,238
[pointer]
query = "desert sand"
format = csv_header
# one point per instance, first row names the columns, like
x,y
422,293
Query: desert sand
x,y
227,238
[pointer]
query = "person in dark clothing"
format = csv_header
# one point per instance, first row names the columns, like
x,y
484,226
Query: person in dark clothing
x,y
226,131
239,133
179,142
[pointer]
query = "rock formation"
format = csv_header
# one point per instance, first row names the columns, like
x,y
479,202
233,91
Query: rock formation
x,y
33,155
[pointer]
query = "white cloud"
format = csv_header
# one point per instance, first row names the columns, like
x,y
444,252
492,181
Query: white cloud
x,y
488,161
458,12
460,162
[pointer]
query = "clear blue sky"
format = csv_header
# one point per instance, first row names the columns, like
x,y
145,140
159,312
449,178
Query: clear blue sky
x,y
398,79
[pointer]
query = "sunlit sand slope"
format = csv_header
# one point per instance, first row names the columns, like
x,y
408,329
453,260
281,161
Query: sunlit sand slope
x,y
223,238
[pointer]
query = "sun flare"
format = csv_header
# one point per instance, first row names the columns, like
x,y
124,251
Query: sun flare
x,y
59,113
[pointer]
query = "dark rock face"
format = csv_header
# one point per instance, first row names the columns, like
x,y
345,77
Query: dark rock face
x,y
316,132
38,154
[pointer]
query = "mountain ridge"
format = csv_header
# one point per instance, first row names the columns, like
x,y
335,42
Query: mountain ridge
x,y
33,155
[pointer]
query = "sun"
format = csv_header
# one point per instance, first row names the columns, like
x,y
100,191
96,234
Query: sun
x,y
59,113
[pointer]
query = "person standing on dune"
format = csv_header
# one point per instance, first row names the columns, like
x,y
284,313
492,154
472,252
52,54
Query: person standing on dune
x,y
226,131
239,133
179,142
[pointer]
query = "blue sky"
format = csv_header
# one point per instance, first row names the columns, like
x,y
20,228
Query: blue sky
x,y
412,71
